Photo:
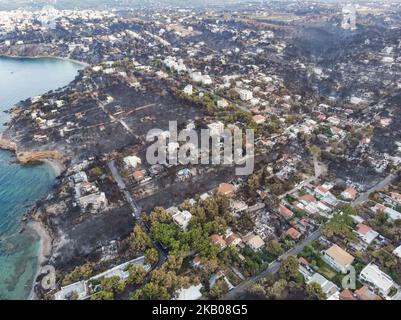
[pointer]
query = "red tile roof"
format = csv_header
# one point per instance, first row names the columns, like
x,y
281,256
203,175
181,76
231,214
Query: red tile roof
x,y
293,233
363,229
287,213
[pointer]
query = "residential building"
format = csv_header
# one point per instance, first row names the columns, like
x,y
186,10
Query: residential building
x,y
349,194
397,251
293,233
329,288
181,219
376,279
366,233
365,293
285,212
245,95
226,189
255,242
337,258
219,241
132,161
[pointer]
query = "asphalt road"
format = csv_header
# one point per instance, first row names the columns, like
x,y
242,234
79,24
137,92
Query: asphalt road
x,y
381,185
162,253
123,188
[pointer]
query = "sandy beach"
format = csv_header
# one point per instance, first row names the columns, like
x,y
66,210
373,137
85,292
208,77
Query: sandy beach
x,y
57,166
45,248
84,64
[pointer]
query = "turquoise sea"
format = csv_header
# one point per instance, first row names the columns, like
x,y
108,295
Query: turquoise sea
x,y
21,186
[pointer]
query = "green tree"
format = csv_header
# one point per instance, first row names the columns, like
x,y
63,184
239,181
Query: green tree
x,y
151,291
289,268
103,295
112,284
314,291
274,248
136,274
138,240
219,289
277,289
151,256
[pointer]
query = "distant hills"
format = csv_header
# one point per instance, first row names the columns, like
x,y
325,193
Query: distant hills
x,y
98,4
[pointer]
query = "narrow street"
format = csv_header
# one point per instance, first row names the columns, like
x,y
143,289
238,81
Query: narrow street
x,y
273,267
162,253
363,197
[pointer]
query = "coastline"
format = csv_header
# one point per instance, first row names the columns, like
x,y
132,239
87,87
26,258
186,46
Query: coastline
x,y
44,252
57,166
54,161
82,63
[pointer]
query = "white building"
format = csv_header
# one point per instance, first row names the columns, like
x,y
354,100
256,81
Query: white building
x,y
182,218
329,288
188,90
222,103
82,289
245,95
397,252
337,258
377,279
206,80
196,76
97,201
192,293
216,128
366,233
132,161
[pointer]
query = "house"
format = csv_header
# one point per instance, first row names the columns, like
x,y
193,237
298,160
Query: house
x,y
238,205
80,177
366,294
285,212
397,251
181,219
216,128
86,188
255,242
321,191
347,294
396,197
132,161
349,194
196,262
196,76
245,95
366,233
219,241
84,288
97,201
222,103
376,279
259,119
306,199
337,258
233,239
206,80
226,189
188,90
392,214
139,175
329,288
293,233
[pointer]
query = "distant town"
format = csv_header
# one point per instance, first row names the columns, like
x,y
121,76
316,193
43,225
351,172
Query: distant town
x,y
318,219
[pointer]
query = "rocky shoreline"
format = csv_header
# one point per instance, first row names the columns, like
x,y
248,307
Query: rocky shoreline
x,y
31,156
